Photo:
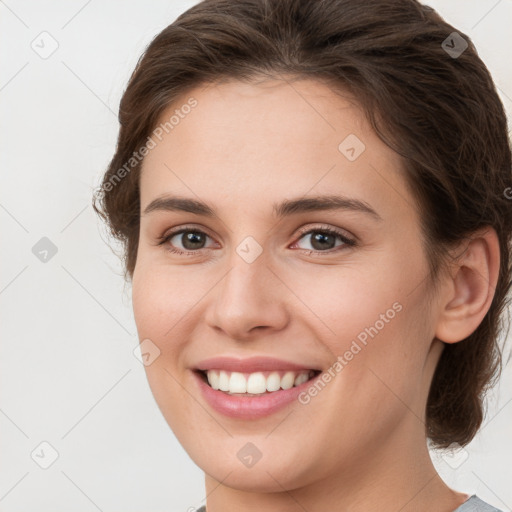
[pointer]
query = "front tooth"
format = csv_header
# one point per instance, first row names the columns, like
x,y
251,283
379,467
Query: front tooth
x,y
237,383
223,381
273,382
256,383
213,378
287,380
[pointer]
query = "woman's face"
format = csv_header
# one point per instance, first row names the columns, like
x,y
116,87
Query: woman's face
x,y
260,277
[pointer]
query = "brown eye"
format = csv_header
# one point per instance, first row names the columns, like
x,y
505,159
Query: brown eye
x,y
190,240
324,239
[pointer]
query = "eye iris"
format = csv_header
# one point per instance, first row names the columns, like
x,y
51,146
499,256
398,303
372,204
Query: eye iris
x,y
192,237
321,239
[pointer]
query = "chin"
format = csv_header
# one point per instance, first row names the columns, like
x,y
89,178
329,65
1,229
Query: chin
x,y
262,480
269,474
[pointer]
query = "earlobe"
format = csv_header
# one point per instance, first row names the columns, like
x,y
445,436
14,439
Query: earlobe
x,y
471,287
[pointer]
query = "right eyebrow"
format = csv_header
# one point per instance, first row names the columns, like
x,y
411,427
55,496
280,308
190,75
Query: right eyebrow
x,y
173,203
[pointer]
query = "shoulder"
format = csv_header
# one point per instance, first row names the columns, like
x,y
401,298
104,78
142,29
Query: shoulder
x,y
473,504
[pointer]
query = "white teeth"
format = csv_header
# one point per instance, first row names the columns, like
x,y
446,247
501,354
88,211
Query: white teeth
x,y
237,383
214,380
300,379
287,380
255,383
223,381
273,382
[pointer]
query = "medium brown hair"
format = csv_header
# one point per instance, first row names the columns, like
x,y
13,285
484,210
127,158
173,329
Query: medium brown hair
x,y
439,111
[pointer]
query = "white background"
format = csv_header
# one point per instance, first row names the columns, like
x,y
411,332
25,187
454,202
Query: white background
x,y
68,375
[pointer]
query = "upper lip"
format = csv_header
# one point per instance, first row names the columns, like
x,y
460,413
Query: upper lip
x,y
250,365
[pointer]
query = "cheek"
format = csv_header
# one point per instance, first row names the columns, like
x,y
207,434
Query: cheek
x,y
161,300
346,302
372,319
161,312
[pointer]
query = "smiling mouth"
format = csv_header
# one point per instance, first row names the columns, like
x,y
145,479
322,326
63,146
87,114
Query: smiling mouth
x,y
256,383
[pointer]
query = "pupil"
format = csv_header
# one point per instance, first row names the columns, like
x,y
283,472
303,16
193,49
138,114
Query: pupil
x,y
321,238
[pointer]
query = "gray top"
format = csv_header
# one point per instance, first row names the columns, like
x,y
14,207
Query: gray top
x,y
475,504
472,504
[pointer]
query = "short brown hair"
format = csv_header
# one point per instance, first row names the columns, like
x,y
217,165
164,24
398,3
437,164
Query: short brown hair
x,y
439,111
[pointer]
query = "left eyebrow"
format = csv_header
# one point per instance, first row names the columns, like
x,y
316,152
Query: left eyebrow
x,y
322,203
286,208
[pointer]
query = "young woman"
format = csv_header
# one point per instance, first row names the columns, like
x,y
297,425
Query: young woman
x,y
312,198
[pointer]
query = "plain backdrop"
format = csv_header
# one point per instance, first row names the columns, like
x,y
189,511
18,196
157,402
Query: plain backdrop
x,y
68,375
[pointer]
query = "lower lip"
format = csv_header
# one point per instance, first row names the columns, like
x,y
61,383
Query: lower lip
x,y
250,407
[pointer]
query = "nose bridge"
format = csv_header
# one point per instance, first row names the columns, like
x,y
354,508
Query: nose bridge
x,y
249,295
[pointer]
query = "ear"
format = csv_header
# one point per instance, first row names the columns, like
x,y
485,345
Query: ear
x,y
470,286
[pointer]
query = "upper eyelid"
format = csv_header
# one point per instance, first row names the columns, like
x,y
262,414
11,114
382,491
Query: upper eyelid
x,y
179,230
324,227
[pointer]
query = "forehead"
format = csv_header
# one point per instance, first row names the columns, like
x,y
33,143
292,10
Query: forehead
x,y
247,142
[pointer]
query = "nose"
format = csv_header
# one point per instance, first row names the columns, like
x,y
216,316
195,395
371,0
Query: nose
x,y
248,302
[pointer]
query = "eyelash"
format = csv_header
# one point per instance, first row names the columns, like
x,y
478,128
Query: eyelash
x,y
310,252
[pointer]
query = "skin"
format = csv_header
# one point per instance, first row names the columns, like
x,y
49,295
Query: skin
x,y
359,445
